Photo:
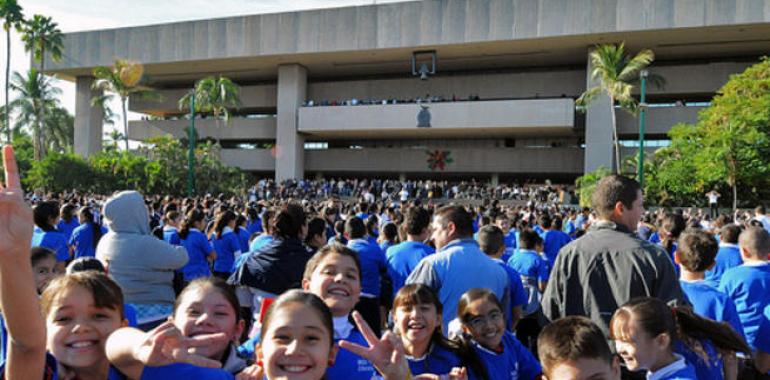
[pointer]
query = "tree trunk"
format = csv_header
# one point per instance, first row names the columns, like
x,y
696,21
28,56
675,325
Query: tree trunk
x,y
36,140
735,196
41,113
124,101
616,142
8,136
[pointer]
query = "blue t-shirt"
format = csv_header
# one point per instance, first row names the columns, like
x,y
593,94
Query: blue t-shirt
x,y
198,248
372,265
51,370
349,366
254,227
184,371
82,240
709,302
762,343
515,362
511,241
728,256
529,263
402,259
259,242
67,228
243,238
227,247
438,361
553,240
678,370
706,368
171,236
53,240
518,294
749,287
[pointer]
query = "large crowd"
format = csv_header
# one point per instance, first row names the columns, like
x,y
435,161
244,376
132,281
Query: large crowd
x,y
378,279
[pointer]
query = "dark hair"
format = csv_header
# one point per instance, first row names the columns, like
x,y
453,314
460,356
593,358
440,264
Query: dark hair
x,y
67,212
371,225
306,299
760,210
83,264
413,295
170,216
215,284
756,240
288,222
417,220
459,216
571,339
473,295
96,230
106,293
557,223
613,189
729,233
654,317
390,231
222,220
336,249
316,226
43,212
697,250
38,254
354,228
193,216
490,239
529,239
544,220
672,225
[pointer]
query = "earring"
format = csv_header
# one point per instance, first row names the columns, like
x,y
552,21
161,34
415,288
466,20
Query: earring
x,y
259,363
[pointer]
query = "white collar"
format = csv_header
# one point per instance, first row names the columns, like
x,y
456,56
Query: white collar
x,y
728,245
425,355
701,281
226,230
670,369
755,263
342,327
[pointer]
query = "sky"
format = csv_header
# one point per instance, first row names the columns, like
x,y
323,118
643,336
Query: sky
x,y
79,15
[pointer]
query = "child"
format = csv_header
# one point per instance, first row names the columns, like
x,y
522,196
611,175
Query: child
x,y
171,222
695,254
492,243
749,284
199,250
728,256
388,236
503,355
205,307
534,276
68,222
668,343
373,266
86,236
225,243
417,321
45,235
574,348
44,267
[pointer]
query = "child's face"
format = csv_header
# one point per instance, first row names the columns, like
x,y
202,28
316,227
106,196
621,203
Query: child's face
x,y
45,270
77,329
206,311
504,224
585,369
337,282
296,345
416,323
639,350
485,322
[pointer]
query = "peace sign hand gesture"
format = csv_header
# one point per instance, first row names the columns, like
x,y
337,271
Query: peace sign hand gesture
x,y
386,353
166,345
15,215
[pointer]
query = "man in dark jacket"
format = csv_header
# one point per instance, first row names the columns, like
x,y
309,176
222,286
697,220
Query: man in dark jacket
x,y
610,265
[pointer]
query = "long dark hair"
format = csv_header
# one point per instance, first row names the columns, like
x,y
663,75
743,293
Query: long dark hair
x,y
193,216
67,212
288,222
416,294
223,219
43,212
96,230
672,226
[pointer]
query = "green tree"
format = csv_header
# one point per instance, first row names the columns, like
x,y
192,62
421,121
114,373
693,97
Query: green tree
x,y
59,172
122,80
60,125
617,73
586,184
35,94
10,12
214,95
41,34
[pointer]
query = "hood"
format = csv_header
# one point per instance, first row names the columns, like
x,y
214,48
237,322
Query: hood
x,y
126,212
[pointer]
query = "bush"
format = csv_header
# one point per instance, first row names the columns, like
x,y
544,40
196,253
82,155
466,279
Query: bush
x,y
586,184
59,172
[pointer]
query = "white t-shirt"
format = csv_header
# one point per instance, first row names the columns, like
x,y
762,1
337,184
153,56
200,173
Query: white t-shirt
x,y
713,197
404,195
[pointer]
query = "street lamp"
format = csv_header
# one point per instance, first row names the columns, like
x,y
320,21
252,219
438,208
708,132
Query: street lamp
x,y
191,150
642,108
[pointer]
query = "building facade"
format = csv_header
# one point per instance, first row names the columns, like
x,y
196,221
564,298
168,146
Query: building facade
x,y
331,92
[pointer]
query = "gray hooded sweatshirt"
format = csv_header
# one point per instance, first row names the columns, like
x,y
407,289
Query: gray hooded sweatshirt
x,y
140,263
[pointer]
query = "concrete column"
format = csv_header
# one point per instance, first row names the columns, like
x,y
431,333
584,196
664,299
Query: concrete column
x,y
599,145
290,155
88,119
495,179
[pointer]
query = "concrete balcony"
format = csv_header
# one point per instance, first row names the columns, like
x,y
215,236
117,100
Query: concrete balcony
x,y
260,160
659,120
237,129
536,117
252,97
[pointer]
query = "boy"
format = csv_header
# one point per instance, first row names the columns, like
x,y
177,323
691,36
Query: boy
x,y
574,348
534,275
749,284
492,243
509,235
695,254
728,256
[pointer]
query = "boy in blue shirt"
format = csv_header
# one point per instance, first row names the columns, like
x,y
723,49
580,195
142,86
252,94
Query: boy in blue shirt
x,y
534,276
491,242
575,348
695,254
509,235
728,256
553,239
762,361
402,258
373,266
749,284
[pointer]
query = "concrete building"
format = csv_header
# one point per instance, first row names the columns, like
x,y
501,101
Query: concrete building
x,y
331,92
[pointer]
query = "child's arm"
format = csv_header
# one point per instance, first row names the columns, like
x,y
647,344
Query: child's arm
x,y
18,294
386,353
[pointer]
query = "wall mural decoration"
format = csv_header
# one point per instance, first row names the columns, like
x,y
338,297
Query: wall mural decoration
x,y
439,159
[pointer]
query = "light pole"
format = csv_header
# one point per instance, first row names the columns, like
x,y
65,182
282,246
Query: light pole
x,y
191,150
643,107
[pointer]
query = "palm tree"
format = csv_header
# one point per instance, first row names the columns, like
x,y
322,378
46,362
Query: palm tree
x,y
41,34
10,11
61,130
213,95
114,136
122,80
36,93
102,101
617,73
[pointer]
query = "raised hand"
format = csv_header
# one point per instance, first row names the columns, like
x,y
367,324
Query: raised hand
x,y
252,372
386,353
165,345
15,216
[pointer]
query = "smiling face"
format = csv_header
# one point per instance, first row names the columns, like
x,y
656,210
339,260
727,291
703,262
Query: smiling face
x,y
45,270
485,322
637,348
416,323
77,329
337,282
205,310
296,345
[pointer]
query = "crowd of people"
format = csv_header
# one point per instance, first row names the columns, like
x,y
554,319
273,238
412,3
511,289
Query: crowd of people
x,y
370,101
280,285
